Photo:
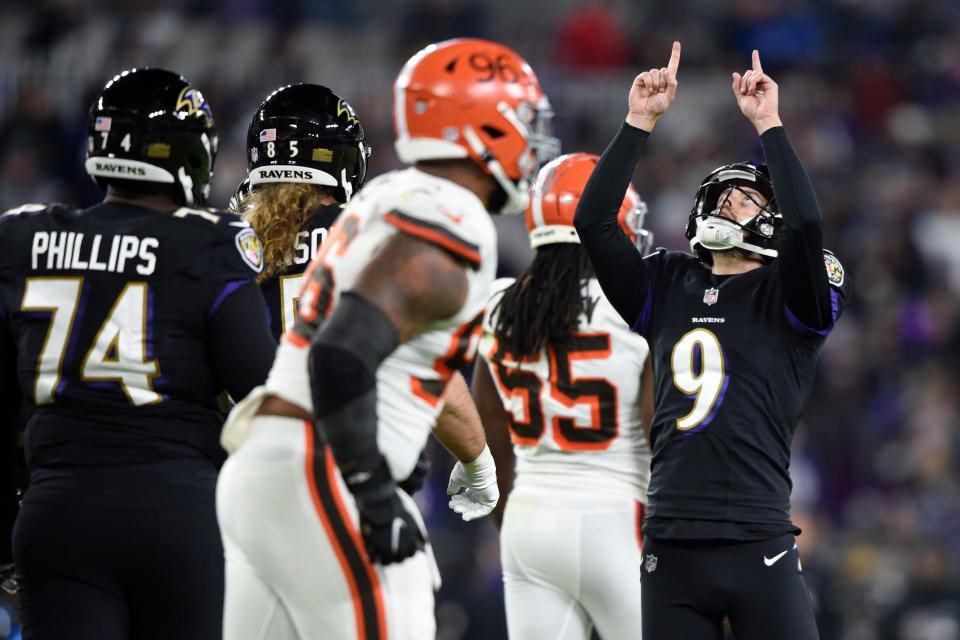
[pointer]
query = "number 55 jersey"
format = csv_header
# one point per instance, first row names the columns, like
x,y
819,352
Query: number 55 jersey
x,y
574,409
582,464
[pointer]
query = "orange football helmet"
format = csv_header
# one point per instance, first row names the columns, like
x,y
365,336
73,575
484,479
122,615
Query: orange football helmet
x,y
554,198
472,98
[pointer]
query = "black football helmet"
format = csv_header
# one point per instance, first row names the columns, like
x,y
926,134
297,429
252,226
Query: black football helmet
x,y
236,200
150,125
306,133
708,231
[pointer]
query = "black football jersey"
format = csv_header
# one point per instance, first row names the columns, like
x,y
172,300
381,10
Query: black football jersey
x,y
109,309
281,291
732,371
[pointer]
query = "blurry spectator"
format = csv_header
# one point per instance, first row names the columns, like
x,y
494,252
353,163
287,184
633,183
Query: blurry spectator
x,y
591,38
33,161
930,610
877,470
818,560
426,21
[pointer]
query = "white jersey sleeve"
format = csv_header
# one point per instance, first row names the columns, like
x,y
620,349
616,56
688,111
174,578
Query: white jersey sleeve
x,y
424,211
574,409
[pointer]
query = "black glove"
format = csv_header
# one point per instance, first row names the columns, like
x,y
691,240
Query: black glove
x,y
418,476
389,530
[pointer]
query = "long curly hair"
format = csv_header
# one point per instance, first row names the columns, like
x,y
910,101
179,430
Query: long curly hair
x,y
277,212
544,304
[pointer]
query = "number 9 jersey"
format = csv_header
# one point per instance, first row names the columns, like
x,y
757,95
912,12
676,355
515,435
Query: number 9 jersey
x,y
575,410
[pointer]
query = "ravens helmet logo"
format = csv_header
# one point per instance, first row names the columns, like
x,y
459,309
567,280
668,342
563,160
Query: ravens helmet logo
x,y
191,101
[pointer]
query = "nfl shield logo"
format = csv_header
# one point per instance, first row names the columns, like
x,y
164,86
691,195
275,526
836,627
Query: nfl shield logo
x,y
651,563
710,296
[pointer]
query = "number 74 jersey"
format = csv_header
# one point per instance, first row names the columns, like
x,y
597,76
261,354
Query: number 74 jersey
x,y
574,409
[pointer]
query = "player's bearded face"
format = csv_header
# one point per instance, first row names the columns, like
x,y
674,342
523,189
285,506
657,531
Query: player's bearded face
x,y
739,204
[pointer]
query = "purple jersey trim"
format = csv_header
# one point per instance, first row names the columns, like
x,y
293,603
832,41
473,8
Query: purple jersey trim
x,y
230,287
799,325
642,323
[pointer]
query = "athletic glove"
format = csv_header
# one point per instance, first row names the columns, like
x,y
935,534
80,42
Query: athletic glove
x,y
389,531
473,486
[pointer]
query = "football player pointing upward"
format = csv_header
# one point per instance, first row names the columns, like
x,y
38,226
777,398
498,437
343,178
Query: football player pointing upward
x,y
388,313
735,333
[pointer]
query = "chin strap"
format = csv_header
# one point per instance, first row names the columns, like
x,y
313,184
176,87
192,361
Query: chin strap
x,y
719,234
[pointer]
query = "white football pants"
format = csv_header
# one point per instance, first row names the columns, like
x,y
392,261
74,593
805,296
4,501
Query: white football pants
x,y
571,561
296,568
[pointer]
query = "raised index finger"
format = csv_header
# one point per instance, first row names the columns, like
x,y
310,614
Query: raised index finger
x,y
674,63
756,62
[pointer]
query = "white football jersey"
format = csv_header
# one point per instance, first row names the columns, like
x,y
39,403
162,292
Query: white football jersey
x,y
411,380
575,418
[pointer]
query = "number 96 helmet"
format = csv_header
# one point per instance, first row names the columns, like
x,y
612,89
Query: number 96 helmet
x,y
306,133
151,125
554,198
476,99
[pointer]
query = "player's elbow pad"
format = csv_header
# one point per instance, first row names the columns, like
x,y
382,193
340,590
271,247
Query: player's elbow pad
x,y
344,358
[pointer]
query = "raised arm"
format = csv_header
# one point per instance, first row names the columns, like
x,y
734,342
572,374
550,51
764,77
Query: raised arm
x,y
806,289
620,268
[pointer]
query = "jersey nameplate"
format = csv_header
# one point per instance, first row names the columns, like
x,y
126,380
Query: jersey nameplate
x,y
69,250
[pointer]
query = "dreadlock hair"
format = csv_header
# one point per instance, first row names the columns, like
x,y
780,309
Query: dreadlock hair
x,y
543,305
277,212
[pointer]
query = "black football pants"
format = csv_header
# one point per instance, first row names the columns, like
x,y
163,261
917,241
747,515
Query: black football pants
x,y
690,587
116,574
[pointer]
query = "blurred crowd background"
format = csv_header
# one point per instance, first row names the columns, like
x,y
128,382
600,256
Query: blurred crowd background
x,y
870,95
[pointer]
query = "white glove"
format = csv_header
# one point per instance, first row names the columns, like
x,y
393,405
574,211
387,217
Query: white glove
x,y
473,486
238,423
